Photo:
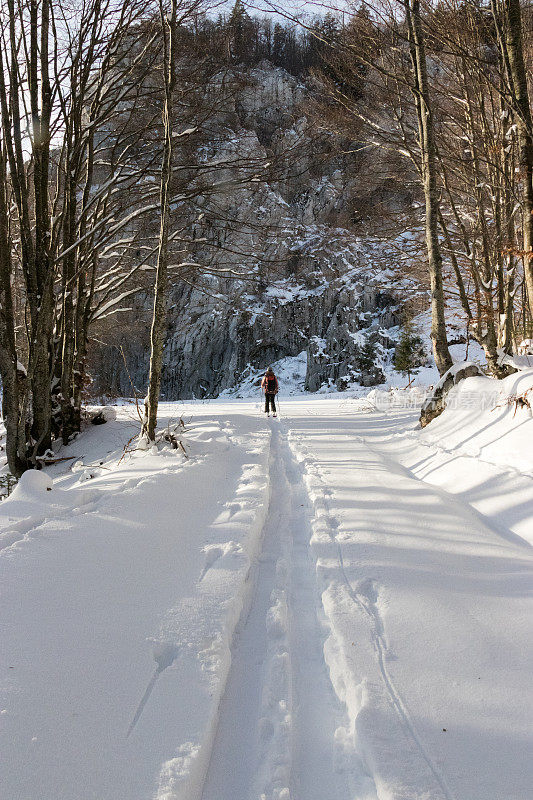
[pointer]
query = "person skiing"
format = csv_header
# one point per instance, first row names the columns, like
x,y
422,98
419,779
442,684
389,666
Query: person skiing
x,y
269,385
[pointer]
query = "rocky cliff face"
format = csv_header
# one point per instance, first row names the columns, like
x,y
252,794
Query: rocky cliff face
x,y
344,321
288,272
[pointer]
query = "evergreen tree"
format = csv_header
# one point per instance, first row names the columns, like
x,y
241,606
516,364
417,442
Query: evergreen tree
x,y
367,356
410,353
321,41
242,35
278,45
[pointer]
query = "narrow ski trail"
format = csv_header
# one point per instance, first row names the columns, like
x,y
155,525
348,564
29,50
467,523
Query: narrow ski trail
x,y
281,726
325,764
231,767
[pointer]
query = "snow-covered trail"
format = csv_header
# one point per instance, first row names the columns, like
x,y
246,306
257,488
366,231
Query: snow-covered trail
x,y
308,609
431,614
420,592
233,764
276,735
320,719
116,615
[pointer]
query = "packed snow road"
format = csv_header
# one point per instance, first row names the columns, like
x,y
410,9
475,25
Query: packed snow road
x,y
328,606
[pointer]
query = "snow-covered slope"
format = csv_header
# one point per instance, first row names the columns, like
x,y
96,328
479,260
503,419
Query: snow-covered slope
x,y
120,594
330,606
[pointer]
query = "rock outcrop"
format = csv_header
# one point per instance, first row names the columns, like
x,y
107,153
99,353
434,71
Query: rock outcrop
x,y
434,405
286,273
210,349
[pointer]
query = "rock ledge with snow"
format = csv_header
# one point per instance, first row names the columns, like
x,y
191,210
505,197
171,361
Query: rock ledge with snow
x,y
436,402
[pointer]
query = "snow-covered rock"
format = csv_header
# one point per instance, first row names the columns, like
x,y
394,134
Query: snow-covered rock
x,y
525,348
269,99
32,483
434,405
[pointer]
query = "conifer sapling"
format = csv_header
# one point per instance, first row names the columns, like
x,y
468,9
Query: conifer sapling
x,y
410,353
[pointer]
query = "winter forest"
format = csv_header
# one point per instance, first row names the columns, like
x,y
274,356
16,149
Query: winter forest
x,y
199,600
139,149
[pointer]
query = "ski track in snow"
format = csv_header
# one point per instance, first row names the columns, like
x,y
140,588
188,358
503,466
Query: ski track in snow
x,y
275,740
365,599
326,764
312,567
282,732
230,770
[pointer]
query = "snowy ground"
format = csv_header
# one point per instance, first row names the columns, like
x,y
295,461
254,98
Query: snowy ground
x,y
333,605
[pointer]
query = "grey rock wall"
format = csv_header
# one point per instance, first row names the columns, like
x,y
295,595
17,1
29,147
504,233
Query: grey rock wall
x,y
310,283
210,349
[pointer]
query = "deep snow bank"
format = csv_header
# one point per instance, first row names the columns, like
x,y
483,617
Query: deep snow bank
x,y
121,583
484,419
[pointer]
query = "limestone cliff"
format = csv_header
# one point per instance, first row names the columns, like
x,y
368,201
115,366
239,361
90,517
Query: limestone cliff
x,y
288,272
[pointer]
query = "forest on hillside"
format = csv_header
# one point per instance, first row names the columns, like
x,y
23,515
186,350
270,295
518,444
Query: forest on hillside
x,y
116,148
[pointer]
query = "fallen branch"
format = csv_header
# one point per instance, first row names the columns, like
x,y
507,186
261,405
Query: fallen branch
x,y
176,442
127,449
518,400
48,462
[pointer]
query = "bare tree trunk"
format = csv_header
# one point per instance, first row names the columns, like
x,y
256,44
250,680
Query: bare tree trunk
x,y
159,320
40,353
68,426
486,327
26,59
508,21
426,136
458,276
12,400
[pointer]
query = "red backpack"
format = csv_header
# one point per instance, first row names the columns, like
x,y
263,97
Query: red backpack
x,y
270,384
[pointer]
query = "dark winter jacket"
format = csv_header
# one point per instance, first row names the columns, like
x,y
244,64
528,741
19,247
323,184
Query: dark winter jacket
x,y
269,384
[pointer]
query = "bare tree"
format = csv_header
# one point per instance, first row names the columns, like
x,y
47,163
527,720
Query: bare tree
x,y
383,53
13,378
427,147
54,218
508,20
23,59
159,321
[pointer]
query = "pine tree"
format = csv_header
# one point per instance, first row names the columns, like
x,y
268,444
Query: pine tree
x,y
241,30
410,353
367,356
278,45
